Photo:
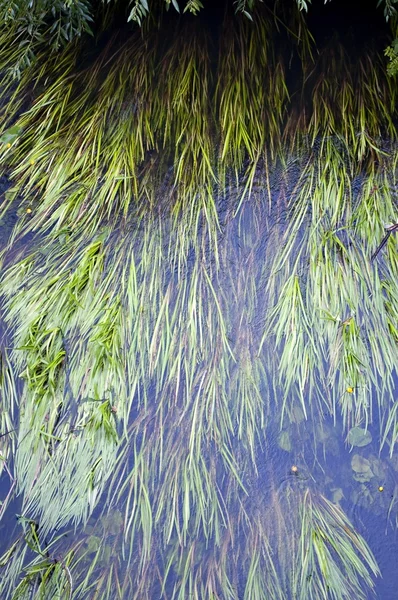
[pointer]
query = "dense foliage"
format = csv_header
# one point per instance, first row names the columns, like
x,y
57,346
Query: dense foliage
x,y
197,306
32,25
58,22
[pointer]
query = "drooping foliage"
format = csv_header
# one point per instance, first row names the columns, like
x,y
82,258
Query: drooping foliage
x,y
54,24
187,284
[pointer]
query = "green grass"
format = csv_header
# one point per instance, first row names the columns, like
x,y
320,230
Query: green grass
x,y
197,273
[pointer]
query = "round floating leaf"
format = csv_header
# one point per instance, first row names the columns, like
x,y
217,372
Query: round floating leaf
x,y
359,437
359,464
297,414
362,468
11,134
284,441
93,543
337,495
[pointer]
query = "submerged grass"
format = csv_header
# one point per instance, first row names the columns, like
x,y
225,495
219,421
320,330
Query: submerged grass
x,y
161,319
150,391
329,553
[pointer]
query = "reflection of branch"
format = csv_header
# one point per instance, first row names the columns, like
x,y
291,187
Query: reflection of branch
x,y
42,571
384,240
68,576
6,501
7,433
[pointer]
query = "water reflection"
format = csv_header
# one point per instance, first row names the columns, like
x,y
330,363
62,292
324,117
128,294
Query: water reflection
x,y
174,373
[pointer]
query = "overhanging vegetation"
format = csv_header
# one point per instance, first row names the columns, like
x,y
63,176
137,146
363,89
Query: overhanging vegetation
x,y
190,277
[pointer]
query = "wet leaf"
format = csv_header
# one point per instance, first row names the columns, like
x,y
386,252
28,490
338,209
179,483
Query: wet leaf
x,y
337,495
112,522
297,414
359,437
10,195
93,543
378,467
284,441
361,466
11,134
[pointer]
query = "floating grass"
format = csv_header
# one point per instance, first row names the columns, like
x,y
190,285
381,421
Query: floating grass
x,y
251,95
115,350
351,98
162,317
329,553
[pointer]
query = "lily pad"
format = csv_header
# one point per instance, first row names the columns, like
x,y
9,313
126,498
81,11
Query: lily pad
x,y
379,468
361,467
284,441
297,415
337,494
11,134
113,522
93,543
359,437
10,195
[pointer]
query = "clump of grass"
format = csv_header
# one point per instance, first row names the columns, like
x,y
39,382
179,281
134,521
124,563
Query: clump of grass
x,y
251,97
328,303
329,552
161,317
70,140
351,98
161,398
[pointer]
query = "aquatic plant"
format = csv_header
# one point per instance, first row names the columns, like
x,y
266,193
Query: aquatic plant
x,y
191,269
